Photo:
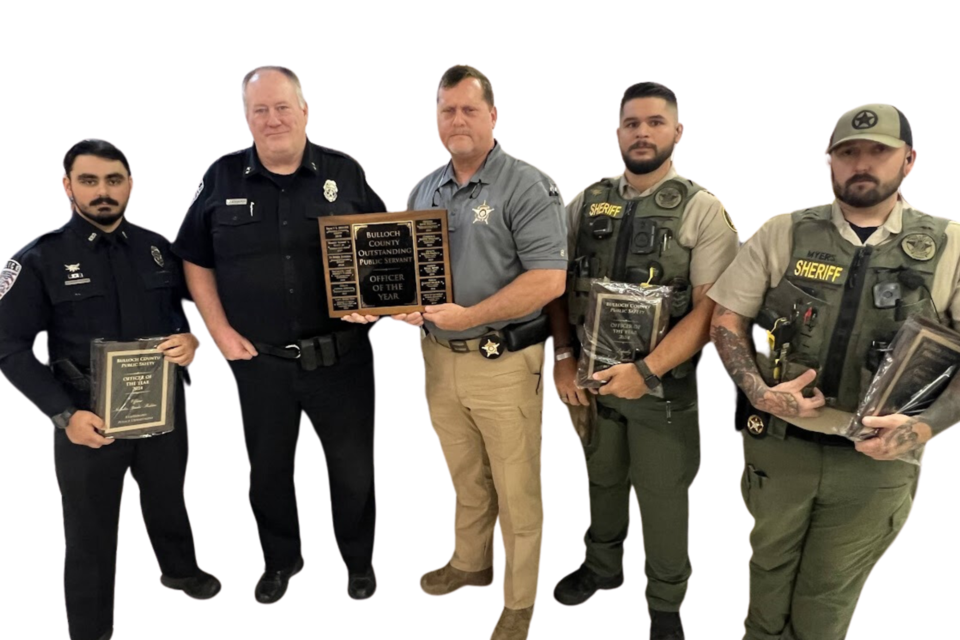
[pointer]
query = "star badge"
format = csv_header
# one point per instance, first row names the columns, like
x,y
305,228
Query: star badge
x,y
490,347
919,246
668,198
482,213
330,190
755,424
865,119
157,256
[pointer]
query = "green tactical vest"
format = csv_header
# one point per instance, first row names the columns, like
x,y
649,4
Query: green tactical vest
x,y
633,241
848,302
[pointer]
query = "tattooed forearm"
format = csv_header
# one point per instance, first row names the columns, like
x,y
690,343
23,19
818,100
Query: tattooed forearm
x,y
730,333
945,412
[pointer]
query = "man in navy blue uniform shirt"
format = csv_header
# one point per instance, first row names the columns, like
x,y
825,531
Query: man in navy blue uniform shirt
x,y
251,249
99,276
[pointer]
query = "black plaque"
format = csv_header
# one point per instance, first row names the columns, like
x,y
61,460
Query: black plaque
x,y
386,263
133,388
623,322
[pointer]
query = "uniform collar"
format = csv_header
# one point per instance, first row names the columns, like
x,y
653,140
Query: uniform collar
x,y
484,174
252,165
93,235
628,192
892,226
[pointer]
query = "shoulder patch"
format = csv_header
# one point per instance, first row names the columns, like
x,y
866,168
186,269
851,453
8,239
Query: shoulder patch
x,y
199,190
726,218
8,277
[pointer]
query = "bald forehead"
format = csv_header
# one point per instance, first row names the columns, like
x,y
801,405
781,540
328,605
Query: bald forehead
x,y
269,82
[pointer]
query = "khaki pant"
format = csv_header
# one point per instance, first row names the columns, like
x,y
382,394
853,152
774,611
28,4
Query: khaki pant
x,y
487,415
824,517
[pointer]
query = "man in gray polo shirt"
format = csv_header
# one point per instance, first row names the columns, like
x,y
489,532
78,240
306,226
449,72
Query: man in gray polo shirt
x,y
484,353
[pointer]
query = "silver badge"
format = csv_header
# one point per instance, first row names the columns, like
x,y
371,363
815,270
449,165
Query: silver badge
x,y
73,275
482,213
8,276
330,190
157,256
72,268
919,246
668,198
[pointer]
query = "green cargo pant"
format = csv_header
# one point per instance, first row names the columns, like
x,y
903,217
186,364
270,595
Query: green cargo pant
x,y
653,445
824,515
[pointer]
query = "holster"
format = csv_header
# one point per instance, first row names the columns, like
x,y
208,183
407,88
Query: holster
x,y
66,372
521,336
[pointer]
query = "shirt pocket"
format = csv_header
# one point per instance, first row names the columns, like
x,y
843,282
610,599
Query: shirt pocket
x,y
161,293
81,308
238,230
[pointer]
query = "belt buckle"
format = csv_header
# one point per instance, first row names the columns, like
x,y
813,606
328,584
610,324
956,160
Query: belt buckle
x,y
459,346
296,348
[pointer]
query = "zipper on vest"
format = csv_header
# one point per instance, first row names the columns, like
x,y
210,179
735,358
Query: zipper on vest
x,y
833,368
618,273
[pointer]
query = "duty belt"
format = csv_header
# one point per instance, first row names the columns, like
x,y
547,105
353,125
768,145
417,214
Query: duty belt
x,y
321,351
494,344
818,438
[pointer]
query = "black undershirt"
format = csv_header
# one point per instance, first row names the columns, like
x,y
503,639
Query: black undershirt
x,y
863,232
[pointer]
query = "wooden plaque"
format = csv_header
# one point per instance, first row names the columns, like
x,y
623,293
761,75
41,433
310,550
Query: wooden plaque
x,y
386,263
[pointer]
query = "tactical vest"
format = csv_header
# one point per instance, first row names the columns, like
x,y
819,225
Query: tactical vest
x,y
633,241
847,302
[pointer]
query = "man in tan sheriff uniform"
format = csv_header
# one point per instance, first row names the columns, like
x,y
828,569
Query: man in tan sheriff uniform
x,y
648,225
833,284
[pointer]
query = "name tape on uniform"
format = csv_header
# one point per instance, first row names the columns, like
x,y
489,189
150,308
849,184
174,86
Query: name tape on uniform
x,y
605,209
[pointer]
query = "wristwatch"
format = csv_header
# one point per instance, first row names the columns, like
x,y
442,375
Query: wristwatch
x,y
62,420
649,377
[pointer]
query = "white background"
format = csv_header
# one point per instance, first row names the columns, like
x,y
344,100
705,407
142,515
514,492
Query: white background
x,y
760,87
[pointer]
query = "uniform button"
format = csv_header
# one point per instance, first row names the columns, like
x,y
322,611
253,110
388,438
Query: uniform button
x,y
288,257
283,190
291,290
284,223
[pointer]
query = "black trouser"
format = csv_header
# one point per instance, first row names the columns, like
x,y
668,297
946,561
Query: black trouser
x,y
91,482
339,402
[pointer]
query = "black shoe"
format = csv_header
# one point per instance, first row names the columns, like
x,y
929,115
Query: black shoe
x,y
362,585
577,587
665,625
107,635
273,584
202,586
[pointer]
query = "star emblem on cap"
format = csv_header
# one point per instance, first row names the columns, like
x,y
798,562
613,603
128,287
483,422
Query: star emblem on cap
x,y
865,119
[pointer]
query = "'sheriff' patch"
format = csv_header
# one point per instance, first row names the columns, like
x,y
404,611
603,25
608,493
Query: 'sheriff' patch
x,y
605,209
820,271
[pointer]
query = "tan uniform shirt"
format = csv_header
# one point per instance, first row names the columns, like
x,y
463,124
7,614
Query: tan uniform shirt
x,y
705,229
763,260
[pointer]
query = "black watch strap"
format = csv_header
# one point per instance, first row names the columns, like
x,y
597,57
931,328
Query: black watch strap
x,y
649,377
62,420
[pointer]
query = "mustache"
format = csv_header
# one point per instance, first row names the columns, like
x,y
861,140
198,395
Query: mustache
x,y
862,178
642,145
105,200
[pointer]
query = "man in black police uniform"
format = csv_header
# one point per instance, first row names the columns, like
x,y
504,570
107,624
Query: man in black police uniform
x,y
251,247
131,287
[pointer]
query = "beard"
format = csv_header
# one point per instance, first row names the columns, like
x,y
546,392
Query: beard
x,y
643,167
863,199
103,218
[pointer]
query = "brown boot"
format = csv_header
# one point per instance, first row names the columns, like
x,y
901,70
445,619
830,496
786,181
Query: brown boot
x,y
513,625
448,579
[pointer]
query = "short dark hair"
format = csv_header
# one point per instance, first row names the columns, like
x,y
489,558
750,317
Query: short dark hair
x,y
455,75
648,90
92,147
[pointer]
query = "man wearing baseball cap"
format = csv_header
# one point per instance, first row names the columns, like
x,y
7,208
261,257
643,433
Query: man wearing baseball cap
x,y
832,284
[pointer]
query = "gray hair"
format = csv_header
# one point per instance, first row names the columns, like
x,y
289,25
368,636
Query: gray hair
x,y
290,75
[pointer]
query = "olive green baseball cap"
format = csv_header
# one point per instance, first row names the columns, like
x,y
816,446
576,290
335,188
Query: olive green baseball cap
x,y
877,122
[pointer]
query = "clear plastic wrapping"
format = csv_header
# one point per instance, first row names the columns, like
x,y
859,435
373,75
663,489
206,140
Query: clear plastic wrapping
x,y
133,388
623,322
921,361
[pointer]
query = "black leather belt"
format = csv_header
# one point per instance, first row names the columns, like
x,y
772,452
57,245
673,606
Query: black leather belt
x,y
818,438
321,351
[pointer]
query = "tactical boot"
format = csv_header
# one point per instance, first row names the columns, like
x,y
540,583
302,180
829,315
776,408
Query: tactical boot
x,y
513,624
577,587
665,625
448,579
